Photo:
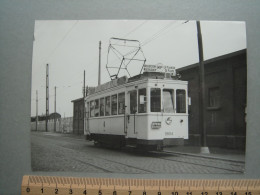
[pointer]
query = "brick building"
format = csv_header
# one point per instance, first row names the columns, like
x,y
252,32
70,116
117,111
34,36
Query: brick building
x,y
225,91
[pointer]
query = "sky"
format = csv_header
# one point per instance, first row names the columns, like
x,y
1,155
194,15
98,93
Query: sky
x,y
72,46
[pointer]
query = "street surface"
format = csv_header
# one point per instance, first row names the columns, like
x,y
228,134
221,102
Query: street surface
x,y
63,152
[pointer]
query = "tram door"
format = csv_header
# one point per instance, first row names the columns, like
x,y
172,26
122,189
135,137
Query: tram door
x,y
131,114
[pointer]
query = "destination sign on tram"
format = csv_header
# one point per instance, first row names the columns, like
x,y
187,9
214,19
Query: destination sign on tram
x,y
159,68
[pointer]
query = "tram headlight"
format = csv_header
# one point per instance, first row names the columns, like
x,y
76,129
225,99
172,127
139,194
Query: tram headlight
x,y
156,125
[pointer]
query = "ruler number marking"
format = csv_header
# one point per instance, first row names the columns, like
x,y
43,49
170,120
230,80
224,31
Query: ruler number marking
x,y
29,188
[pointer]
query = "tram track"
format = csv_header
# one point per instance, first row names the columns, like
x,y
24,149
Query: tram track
x,y
114,162
236,164
202,156
90,156
67,139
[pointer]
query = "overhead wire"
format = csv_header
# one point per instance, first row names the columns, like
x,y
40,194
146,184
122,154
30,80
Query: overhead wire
x,y
126,35
62,39
155,36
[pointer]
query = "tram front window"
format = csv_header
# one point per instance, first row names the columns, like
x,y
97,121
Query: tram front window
x,y
168,100
181,101
142,105
155,100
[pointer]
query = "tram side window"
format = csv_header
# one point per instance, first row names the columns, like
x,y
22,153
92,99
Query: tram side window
x,y
121,103
96,107
168,100
114,104
102,106
133,102
108,107
180,101
155,100
92,108
142,100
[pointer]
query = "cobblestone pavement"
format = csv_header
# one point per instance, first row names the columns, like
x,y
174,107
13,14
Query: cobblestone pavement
x,y
59,152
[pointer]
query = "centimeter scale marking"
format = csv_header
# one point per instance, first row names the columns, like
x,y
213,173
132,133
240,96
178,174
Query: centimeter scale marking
x,y
40,185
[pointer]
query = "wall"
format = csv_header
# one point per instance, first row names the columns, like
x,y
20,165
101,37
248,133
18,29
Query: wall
x,y
225,115
63,125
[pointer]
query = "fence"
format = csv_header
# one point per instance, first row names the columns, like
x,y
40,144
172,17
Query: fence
x,y
63,125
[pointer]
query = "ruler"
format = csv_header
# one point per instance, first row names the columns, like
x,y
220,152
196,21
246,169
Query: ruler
x,y
39,185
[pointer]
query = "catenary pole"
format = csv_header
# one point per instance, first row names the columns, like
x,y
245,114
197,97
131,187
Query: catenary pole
x,y
36,110
47,97
55,109
99,62
84,99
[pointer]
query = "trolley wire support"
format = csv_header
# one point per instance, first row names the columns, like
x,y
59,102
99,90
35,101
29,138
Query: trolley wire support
x,y
121,54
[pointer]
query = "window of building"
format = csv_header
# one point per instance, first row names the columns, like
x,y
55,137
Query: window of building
x,y
102,107
121,103
97,107
92,108
114,104
168,100
142,100
133,102
214,97
180,101
155,100
108,107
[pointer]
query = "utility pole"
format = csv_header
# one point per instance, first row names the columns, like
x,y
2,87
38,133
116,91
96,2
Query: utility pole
x,y
99,68
84,97
47,97
55,109
204,148
36,110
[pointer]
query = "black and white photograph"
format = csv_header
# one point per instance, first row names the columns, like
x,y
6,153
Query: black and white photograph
x,y
139,96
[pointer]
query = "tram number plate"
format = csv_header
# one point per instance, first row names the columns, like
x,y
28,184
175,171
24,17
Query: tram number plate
x,y
168,133
39,185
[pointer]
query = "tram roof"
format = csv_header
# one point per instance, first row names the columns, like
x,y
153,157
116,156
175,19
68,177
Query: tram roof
x,y
124,80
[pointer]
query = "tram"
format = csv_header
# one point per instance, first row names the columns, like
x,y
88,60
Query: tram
x,y
146,111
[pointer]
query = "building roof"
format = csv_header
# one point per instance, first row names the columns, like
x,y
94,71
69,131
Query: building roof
x,y
77,100
226,56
